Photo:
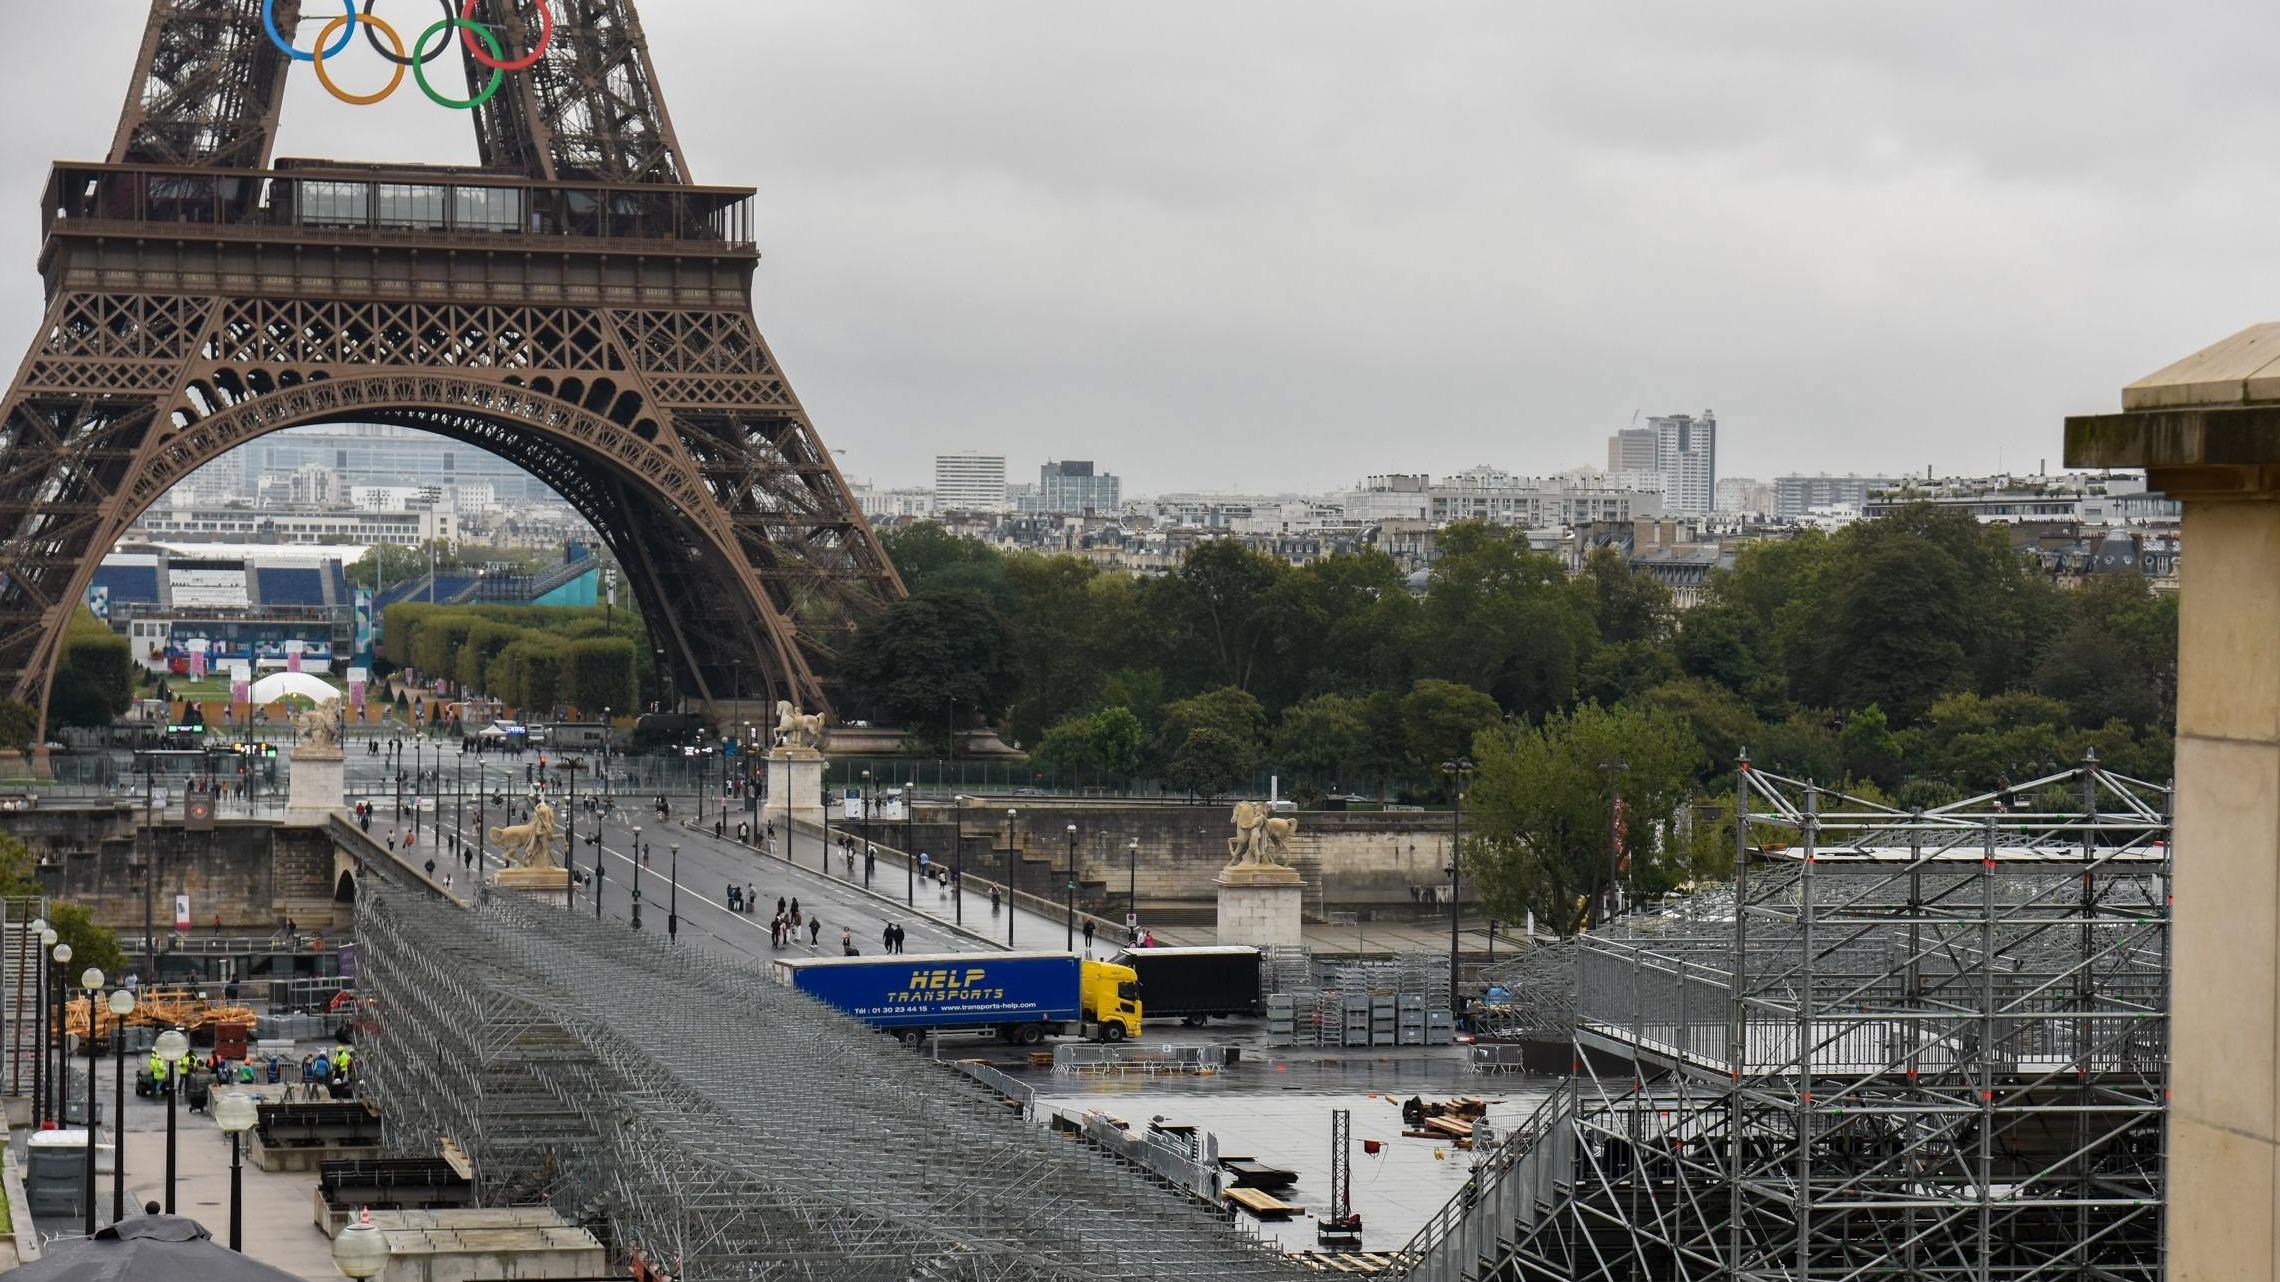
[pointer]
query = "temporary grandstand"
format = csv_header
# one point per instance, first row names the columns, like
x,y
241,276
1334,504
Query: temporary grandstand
x,y
725,1129
1926,1044
244,604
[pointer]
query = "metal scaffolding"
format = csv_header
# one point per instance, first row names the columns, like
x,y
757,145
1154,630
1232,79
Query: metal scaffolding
x,y
1921,1044
727,1129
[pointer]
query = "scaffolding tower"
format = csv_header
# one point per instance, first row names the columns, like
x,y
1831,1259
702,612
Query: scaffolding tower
x,y
724,1128
1930,1045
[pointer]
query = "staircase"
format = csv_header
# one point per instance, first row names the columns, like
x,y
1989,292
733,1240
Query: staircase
x,y
1519,1187
19,993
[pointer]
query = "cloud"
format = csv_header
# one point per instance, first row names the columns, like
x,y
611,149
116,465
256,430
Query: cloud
x,y
1280,245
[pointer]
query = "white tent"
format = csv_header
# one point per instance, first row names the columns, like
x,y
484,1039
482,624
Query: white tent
x,y
279,685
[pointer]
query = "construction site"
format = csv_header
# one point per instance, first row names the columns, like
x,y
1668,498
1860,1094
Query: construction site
x,y
1928,1044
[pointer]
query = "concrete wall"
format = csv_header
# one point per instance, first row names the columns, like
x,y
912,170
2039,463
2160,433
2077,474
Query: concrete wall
x,y
250,875
1361,862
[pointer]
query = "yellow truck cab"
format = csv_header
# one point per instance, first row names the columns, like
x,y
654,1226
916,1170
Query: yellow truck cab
x,y
1111,1000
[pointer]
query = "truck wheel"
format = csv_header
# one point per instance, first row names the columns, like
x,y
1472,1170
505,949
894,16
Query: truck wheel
x,y
1029,1034
1194,1021
911,1037
1113,1031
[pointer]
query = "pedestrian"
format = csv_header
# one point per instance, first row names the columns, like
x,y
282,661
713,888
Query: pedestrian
x,y
847,941
431,870
750,899
887,938
779,905
899,935
795,910
1088,936
993,901
815,930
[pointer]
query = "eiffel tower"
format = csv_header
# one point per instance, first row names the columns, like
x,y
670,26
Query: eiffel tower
x,y
574,304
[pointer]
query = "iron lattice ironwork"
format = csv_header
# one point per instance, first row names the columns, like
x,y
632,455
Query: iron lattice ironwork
x,y
576,305
1903,1044
731,1129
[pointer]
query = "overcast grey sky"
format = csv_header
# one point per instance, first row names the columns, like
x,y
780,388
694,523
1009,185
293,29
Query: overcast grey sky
x,y
1274,244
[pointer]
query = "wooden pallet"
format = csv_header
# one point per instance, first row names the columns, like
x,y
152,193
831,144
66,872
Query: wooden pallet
x,y
1263,1204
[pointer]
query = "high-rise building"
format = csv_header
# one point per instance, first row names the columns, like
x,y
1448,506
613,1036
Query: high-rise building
x,y
1686,453
969,481
1634,449
1072,487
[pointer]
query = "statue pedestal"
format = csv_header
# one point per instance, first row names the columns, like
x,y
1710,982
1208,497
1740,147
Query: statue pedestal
x,y
549,884
1259,904
794,780
317,783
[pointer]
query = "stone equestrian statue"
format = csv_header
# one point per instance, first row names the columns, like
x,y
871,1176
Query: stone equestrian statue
x,y
529,845
796,729
1260,839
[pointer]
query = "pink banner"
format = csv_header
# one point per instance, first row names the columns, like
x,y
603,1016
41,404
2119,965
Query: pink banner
x,y
197,665
241,691
293,658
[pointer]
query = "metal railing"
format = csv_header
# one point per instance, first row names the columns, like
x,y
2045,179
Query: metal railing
x,y
1021,1093
1072,1059
1506,1186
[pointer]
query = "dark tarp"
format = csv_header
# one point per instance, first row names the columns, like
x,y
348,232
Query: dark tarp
x,y
149,1248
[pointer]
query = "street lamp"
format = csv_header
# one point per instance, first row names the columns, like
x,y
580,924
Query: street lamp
x,y
91,979
908,855
58,1081
360,1251
1132,890
1071,945
673,906
637,876
1009,908
1459,774
957,848
172,1045
234,1113
122,1004
40,931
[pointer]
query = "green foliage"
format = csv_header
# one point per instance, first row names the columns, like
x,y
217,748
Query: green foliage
x,y
601,675
1107,742
94,676
386,563
1209,765
1440,718
925,658
18,870
19,725
1543,804
91,944
1916,657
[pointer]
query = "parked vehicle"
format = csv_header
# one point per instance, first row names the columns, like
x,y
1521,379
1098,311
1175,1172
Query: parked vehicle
x,y
1198,984
1020,997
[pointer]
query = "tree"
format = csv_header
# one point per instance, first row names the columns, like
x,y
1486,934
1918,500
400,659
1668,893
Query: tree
x,y
1212,616
386,563
1440,718
1227,711
1108,741
91,944
1628,606
929,655
19,724
1543,810
1208,765
601,675
1324,740
1505,620
94,675
486,641
932,559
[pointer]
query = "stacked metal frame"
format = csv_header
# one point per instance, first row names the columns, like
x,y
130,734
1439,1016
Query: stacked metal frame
x,y
727,1129
1930,1045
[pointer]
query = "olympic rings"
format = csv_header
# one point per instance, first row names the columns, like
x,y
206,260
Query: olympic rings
x,y
420,56
276,37
467,37
419,72
325,77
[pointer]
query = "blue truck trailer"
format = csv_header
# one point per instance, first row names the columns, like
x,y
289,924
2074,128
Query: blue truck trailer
x,y
1020,997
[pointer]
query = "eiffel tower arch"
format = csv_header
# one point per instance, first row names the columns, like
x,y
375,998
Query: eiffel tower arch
x,y
574,304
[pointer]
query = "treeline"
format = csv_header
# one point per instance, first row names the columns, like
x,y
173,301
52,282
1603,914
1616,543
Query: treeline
x,y
535,658
1916,659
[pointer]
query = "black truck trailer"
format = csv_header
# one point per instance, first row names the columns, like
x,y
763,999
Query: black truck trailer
x,y
1196,984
